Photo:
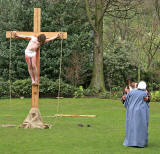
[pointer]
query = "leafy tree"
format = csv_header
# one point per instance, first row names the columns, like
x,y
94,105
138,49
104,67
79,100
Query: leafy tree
x,y
116,8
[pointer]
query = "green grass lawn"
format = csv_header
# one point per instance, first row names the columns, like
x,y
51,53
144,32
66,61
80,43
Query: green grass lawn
x,y
105,136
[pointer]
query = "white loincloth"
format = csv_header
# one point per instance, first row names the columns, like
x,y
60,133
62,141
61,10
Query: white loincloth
x,y
30,53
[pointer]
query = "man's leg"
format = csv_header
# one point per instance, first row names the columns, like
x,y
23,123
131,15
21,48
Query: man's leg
x,y
34,68
30,69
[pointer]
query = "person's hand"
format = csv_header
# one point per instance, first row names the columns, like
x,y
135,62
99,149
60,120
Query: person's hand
x,y
146,98
58,35
14,33
123,97
127,90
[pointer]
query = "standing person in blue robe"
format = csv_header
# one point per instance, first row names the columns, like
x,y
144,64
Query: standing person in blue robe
x,y
137,117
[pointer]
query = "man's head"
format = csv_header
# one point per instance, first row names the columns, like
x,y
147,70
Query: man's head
x,y
41,38
131,82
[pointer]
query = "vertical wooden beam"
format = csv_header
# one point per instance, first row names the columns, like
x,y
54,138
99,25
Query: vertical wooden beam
x,y
37,20
37,29
35,96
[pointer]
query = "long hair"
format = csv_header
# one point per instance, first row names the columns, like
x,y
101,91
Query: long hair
x,y
41,38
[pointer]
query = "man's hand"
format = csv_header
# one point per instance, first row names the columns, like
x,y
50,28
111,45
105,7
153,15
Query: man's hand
x,y
127,90
14,34
146,98
60,35
124,97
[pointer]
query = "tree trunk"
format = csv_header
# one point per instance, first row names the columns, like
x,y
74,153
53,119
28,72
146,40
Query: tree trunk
x,y
97,81
139,73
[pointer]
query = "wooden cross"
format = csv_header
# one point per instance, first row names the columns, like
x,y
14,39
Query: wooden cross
x,y
36,32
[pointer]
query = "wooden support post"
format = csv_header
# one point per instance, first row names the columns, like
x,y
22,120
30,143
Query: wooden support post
x,y
37,29
71,115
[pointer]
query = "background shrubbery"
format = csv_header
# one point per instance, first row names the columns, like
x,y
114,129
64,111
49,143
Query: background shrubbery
x,y
4,88
155,96
47,88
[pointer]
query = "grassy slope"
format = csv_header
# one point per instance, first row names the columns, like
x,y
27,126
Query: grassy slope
x,y
105,136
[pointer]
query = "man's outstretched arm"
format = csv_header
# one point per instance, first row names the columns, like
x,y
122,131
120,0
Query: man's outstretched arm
x,y
52,38
21,36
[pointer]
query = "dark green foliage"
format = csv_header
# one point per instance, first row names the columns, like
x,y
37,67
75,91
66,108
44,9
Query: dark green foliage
x,y
153,79
22,88
47,88
4,88
111,95
155,96
66,89
79,93
59,15
77,61
90,92
117,67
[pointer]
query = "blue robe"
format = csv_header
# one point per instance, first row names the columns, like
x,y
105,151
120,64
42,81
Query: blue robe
x,y
137,118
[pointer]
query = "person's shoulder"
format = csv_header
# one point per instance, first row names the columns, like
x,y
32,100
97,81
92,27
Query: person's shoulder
x,y
133,92
143,92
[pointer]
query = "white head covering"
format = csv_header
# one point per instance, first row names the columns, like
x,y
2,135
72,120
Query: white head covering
x,y
142,85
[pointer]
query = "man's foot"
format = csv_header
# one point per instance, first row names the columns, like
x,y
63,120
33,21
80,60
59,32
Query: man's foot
x,y
34,84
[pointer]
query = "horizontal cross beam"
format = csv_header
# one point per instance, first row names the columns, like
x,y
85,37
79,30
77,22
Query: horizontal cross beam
x,y
48,34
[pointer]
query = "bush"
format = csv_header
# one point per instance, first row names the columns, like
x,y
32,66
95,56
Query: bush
x,y
90,92
106,95
22,88
79,92
155,96
4,88
66,90
117,94
47,88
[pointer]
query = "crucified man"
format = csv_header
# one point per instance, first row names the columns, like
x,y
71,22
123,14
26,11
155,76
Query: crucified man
x,y
30,52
